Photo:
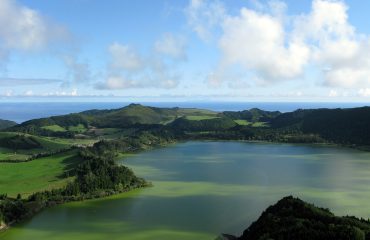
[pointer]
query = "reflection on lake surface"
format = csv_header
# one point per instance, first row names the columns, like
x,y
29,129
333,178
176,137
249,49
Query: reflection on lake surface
x,y
204,188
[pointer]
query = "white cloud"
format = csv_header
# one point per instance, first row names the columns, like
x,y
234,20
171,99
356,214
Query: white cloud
x,y
123,56
273,46
24,28
172,46
204,15
259,42
8,93
336,45
27,81
71,93
28,93
78,72
364,92
333,93
123,73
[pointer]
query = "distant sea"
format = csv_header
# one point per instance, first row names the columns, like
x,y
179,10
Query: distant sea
x,y
20,112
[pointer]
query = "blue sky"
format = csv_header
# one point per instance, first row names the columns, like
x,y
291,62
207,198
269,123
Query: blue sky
x,y
185,50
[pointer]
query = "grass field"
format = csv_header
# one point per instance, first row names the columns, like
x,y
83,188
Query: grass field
x,y
54,128
79,128
260,124
41,174
242,122
200,117
252,124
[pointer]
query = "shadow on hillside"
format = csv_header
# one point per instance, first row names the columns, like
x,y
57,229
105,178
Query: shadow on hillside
x,y
70,165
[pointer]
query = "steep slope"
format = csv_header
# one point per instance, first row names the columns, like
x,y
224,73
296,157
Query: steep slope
x,y
292,218
347,126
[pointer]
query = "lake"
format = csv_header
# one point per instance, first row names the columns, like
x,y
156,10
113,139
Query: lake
x,y
202,189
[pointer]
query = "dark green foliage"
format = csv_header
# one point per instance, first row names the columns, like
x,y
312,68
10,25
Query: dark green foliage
x,y
252,115
344,126
6,124
291,218
34,127
19,141
215,124
102,174
290,119
12,210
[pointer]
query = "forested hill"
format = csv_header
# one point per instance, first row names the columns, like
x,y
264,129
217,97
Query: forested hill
x,y
6,124
347,126
343,126
292,218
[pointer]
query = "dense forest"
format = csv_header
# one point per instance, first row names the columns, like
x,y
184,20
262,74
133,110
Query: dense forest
x,y
292,218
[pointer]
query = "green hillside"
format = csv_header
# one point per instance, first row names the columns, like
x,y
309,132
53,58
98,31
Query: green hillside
x,y
41,174
252,115
292,218
131,115
345,126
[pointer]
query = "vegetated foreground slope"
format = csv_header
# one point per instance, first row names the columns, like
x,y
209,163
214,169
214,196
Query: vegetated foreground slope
x,y
292,218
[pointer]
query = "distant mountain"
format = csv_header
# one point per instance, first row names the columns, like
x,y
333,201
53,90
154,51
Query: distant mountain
x,y
343,126
130,115
6,124
139,114
292,218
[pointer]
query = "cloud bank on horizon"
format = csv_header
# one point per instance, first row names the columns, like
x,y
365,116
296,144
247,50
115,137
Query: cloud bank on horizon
x,y
253,50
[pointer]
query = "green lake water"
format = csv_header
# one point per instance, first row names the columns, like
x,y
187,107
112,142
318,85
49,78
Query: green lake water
x,y
202,189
